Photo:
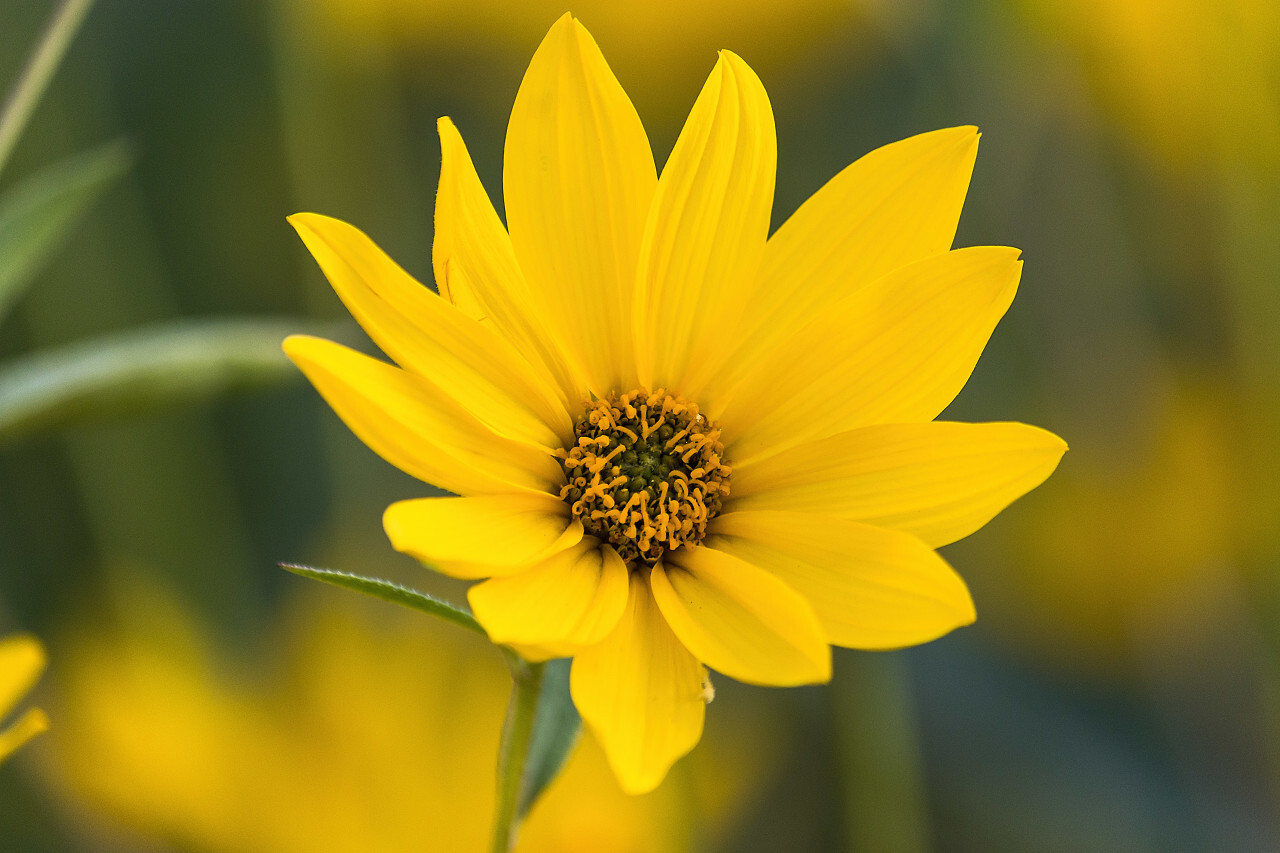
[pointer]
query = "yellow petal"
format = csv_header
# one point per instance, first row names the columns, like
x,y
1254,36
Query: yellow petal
x,y
895,351
740,620
939,481
476,266
470,362
412,425
706,231
890,208
481,536
640,692
30,724
22,660
871,588
578,178
571,599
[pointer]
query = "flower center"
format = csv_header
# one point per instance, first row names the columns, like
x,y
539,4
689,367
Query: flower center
x,y
646,474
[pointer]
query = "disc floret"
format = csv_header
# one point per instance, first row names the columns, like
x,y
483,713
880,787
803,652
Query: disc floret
x,y
647,473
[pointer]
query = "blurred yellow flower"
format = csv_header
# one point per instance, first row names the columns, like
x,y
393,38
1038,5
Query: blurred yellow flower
x,y
362,728
1166,503
1197,82
678,444
21,662
645,47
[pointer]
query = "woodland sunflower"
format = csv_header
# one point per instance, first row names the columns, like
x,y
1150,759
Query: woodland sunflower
x,y
679,442
21,662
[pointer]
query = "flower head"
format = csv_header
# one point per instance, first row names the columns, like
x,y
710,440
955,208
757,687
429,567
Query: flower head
x,y
21,662
679,442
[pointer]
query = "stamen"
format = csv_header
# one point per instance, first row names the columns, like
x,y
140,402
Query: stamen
x,y
645,474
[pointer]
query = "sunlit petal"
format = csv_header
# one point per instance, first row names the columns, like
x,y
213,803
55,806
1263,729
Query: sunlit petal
x,y
476,267
415,427
578,180
706,231
896,351
939,481
427,335
22,659
481,536
894,206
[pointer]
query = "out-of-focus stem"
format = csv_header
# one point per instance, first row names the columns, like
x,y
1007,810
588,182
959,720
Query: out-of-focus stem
x,y
39,71
881,781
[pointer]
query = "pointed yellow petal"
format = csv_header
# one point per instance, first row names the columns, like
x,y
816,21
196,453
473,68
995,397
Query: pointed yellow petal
x,y
897,350
706,231
470,362
481,536
939,481
476,266
640,692
30,724
412,425
22,660
578,178
871,588
740,620
571,599
890,208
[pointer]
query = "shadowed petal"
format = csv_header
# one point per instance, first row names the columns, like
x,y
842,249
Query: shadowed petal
x,y
31,723
640,692
571,599
871,588
739,619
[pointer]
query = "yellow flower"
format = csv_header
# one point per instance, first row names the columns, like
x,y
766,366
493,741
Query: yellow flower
x,y
21,662
679,444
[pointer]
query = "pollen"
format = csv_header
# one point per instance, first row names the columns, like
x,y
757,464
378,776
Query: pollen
x,y
646,474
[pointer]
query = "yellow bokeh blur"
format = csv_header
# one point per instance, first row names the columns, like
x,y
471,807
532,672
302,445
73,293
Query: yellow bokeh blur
x,y
1197,83
660,50
363,727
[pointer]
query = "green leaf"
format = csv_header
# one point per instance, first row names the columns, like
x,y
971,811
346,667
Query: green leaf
x,y
38,215
556,726
393,592
140,370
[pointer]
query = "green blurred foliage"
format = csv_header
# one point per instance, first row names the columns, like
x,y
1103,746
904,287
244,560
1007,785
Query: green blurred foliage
x,y
1119,690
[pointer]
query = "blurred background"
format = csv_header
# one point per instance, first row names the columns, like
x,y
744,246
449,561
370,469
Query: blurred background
x,y
1119,691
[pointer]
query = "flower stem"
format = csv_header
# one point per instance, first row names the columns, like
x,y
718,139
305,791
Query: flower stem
x,y
516,732
35,77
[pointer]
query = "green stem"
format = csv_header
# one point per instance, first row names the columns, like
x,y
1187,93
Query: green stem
x,y
35,77
516,733
885,807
